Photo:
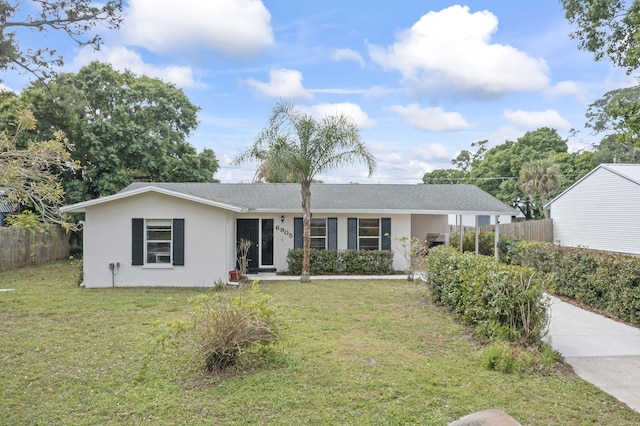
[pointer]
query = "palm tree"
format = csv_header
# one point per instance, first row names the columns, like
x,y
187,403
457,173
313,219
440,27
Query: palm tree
x,y
540,176
295,147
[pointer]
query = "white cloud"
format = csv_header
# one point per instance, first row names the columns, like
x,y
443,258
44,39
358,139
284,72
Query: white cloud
x,y
283,83
536,119
452,50
4,88
348,55
394,165
238,28
430,119
359,117
379,91
431,151
122,58
568,88
503,134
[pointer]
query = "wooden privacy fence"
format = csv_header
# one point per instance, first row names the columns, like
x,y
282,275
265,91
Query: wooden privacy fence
x,y
532,230
22,246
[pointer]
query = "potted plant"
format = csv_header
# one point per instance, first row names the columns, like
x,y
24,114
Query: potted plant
x,y
243,260
234,275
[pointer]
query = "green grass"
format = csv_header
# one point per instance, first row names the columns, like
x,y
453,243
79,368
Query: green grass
x,y
360,352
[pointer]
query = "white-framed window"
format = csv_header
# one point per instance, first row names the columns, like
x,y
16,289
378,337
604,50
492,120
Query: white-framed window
x,y
319,233
158,241
369,234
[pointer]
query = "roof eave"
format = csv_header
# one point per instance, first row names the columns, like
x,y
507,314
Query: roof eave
x,y
81,207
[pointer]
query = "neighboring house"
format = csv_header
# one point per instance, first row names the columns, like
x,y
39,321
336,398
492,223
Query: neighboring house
x,y
6,209
185,234
600,211
485,219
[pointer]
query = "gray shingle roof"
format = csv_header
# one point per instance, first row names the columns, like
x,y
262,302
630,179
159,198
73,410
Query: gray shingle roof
x,y
7,207
336,198
629,171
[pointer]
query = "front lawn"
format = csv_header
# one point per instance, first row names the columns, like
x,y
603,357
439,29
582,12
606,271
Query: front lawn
x,y
360,352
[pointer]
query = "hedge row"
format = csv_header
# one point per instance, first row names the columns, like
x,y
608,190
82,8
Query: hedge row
x,y
327,262
602,280
501,301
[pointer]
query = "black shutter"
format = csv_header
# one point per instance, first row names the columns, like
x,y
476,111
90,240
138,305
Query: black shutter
x,y
352,231
178,242
298,232
386,233
137,241
332,233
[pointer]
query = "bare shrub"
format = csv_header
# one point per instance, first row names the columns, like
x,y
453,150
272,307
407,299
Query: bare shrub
x,y
224,326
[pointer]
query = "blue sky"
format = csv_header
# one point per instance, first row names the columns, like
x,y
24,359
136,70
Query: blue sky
x,y
422,79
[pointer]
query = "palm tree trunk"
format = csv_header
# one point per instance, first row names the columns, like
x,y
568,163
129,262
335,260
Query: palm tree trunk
x,y
543,201
306,238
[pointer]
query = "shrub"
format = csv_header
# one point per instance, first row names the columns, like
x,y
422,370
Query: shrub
x,y
601,280
326,262
224,326
413,252
500,301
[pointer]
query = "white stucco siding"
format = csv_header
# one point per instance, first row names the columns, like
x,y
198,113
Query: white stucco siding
x,y
400,227
423,224
108,239
601,212
284,233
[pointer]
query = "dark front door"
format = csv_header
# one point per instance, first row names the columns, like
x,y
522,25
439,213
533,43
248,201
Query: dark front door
x,y
266,248
260,233
249,229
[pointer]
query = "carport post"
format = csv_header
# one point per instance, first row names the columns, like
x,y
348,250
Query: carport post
x,y
477,237
497,235
461,234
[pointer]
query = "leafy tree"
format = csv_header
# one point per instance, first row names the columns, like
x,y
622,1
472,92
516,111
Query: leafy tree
x,y
607,28
444,176
124,128
30,177
297,146
76,18
540,177
574,165
500,166
465,160
617,116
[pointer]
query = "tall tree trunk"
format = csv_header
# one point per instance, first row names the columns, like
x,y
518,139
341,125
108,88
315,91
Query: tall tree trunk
x,y
305,190
543,201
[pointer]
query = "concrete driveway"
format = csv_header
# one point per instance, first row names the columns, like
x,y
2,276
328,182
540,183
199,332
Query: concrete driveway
x,y
601,351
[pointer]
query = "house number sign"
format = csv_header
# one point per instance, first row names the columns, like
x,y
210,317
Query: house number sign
x,y
286,232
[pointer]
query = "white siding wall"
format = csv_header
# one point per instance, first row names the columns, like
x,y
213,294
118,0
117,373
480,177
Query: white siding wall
x,y
107,238
602,212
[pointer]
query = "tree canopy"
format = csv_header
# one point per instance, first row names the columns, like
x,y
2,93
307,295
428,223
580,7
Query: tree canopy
x,y
29,177
617,116
124,128
76,18
295,147
497,169
607,28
